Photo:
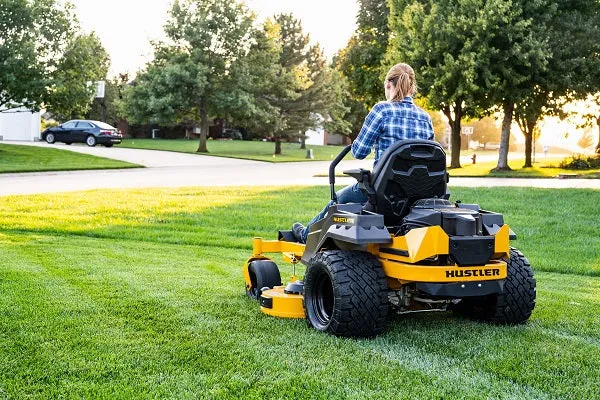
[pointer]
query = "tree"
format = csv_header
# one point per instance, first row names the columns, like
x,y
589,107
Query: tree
x,y
485,130
303,93
572,29
33,35
108,108
518,52
83,63
443,41
361,60
190,76
590,113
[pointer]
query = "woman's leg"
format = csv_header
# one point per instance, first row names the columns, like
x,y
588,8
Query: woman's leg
x,y
349,194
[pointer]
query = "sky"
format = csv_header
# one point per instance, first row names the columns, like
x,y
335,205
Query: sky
x,y
126,27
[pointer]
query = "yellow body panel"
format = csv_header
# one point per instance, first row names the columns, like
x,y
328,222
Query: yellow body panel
x,y
284,305
423,273
400,259
502,242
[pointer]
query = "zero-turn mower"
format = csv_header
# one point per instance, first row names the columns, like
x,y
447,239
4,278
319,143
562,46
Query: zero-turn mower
x,y
407,249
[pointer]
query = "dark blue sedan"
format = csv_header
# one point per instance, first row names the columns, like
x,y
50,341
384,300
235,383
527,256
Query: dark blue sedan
x,y
83,131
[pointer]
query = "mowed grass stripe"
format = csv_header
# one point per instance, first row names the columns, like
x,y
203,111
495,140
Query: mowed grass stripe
x,y
126,325
128,310
557,229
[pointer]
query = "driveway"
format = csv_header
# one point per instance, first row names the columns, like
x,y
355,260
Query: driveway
x,y
168,169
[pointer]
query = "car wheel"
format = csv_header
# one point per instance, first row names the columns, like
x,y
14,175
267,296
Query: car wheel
x,y
108,145
50,138
68,143
90,141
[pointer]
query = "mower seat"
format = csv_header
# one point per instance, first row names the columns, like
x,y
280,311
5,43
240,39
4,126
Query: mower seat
x,y
408,171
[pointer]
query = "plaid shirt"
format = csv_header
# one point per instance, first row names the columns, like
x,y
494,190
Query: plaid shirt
x,y
389,122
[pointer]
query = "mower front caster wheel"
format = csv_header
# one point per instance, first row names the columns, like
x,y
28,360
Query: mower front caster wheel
x,y
263,273
345,294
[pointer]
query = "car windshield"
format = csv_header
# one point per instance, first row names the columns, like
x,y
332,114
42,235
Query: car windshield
x,y
102,125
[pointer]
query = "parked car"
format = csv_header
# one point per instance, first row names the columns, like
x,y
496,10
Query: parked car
x,y
83,131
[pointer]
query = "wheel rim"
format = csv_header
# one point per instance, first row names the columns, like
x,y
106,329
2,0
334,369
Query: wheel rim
x,y
50,138
323,300
91,141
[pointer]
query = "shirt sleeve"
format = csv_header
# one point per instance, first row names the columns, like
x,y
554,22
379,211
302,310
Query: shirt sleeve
x,y
430,124
362,145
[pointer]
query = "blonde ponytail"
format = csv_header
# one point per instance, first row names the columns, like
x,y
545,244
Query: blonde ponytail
x,y
402,77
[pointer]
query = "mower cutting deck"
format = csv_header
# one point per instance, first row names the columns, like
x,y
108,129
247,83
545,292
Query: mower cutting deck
x,y
408,247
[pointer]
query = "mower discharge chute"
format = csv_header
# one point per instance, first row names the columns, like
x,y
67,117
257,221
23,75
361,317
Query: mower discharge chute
x,y
408,247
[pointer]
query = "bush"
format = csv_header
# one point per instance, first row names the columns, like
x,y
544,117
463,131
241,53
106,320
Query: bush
x,y
578,161
48,123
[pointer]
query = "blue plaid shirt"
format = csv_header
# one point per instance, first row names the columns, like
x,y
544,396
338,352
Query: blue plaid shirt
x,y
389,122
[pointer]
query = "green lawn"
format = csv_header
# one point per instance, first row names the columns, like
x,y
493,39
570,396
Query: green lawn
x,y
139,294
19,158
546,168
250,150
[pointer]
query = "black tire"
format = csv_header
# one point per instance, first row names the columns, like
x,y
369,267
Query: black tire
x,y
263,273
50,138
515,304
108,145
90,140
346,294
68,143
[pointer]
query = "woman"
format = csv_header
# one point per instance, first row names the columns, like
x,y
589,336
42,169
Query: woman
x,y
397,118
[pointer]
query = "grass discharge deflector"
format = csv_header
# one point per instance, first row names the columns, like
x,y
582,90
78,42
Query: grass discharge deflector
x,y
407,249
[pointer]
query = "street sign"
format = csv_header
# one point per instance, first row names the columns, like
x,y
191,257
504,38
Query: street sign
x,y
467,130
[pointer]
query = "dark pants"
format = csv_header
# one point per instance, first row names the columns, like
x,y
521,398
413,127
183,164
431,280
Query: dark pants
x,y
349,194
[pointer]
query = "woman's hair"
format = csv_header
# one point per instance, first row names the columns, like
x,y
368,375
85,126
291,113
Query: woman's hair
x,y
402,77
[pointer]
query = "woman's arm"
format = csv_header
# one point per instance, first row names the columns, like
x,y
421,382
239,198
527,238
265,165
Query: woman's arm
x,y
362,145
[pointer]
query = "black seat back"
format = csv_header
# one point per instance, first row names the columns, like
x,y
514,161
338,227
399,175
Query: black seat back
x,y
408,171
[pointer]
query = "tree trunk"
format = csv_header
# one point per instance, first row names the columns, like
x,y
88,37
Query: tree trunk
x,y
203,127
598,145
303,142
455,140
505,137
277,146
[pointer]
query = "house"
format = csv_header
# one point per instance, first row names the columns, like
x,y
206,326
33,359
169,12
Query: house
x,y
20,124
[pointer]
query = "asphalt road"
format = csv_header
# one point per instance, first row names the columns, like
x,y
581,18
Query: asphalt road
x,y
168,169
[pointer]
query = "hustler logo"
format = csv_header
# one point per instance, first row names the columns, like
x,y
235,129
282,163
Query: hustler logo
x,y
465,273
343,220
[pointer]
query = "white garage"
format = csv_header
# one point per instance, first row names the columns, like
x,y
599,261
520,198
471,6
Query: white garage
x,y
20,124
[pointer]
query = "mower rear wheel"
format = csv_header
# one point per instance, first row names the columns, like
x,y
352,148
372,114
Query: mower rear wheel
x,y
515,304
263,273
346,294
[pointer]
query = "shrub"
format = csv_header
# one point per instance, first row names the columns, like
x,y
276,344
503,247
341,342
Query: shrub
x,y
578,161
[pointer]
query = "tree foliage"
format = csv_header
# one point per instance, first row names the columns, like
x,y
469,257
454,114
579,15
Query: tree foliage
x,y
45,59
306,93
33,35
446,43
361,60
571,27
189,79
83,63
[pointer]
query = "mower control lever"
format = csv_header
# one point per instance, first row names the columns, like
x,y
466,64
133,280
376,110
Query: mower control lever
x,y
332,166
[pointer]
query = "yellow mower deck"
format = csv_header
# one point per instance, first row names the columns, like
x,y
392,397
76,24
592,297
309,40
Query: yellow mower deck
x,y
402,261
